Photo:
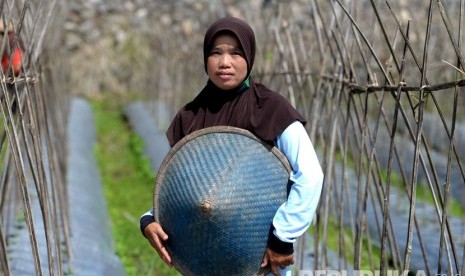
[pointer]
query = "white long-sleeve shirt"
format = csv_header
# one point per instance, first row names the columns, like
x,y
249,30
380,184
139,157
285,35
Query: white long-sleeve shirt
x,y
295,215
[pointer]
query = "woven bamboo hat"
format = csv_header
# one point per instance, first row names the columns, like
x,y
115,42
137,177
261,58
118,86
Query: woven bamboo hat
x,y
216,194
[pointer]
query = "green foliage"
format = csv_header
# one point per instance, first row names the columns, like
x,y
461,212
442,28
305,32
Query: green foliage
x,y
128,186
336,237
424,193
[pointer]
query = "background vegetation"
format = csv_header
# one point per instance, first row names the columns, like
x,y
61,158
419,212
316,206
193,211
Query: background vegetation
x,y
128,187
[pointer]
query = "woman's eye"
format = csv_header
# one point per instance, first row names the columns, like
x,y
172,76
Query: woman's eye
x,y
238,52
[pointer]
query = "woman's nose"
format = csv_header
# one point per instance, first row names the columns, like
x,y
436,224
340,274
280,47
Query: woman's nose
x,y
225,60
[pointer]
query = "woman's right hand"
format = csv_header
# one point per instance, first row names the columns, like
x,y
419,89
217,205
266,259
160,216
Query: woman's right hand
x,y
157,237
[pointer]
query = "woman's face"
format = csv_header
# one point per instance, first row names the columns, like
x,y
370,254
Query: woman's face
x,y
226,65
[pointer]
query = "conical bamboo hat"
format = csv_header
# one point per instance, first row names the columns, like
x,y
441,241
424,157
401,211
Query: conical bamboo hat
x,y
216,194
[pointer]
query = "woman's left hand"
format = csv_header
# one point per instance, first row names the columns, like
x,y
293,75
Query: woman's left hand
x,y
275,260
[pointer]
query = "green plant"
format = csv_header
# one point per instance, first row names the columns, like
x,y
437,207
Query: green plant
x,y
335,238
128,184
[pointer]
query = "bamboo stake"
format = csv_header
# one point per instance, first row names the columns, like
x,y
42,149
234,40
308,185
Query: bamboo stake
x,y
19,165
290,88
328,181
451,143
316,103
365,40
38,177
385,36
461,270
441,87
344,147
443,121
371,158
445,19
383,264
5,267
408,247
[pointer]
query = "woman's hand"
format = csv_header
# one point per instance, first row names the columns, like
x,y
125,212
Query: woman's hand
x,y
275,260
156,236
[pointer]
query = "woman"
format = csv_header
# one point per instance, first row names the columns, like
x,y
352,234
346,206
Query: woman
x,y
231,97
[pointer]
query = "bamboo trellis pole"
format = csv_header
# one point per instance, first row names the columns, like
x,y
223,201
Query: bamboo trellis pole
x,y
31,153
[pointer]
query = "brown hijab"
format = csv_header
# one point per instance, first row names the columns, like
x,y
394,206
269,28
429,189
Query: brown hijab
x,y
250,106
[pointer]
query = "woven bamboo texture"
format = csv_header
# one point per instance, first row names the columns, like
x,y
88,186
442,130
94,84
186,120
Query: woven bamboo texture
x,y
215,195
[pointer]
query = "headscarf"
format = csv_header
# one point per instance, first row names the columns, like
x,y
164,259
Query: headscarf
x,y
250,106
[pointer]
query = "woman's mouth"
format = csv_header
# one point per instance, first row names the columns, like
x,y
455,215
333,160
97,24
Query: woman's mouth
x,y
224,75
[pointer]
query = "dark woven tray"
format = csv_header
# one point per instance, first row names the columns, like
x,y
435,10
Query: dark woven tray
x,y
216,194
